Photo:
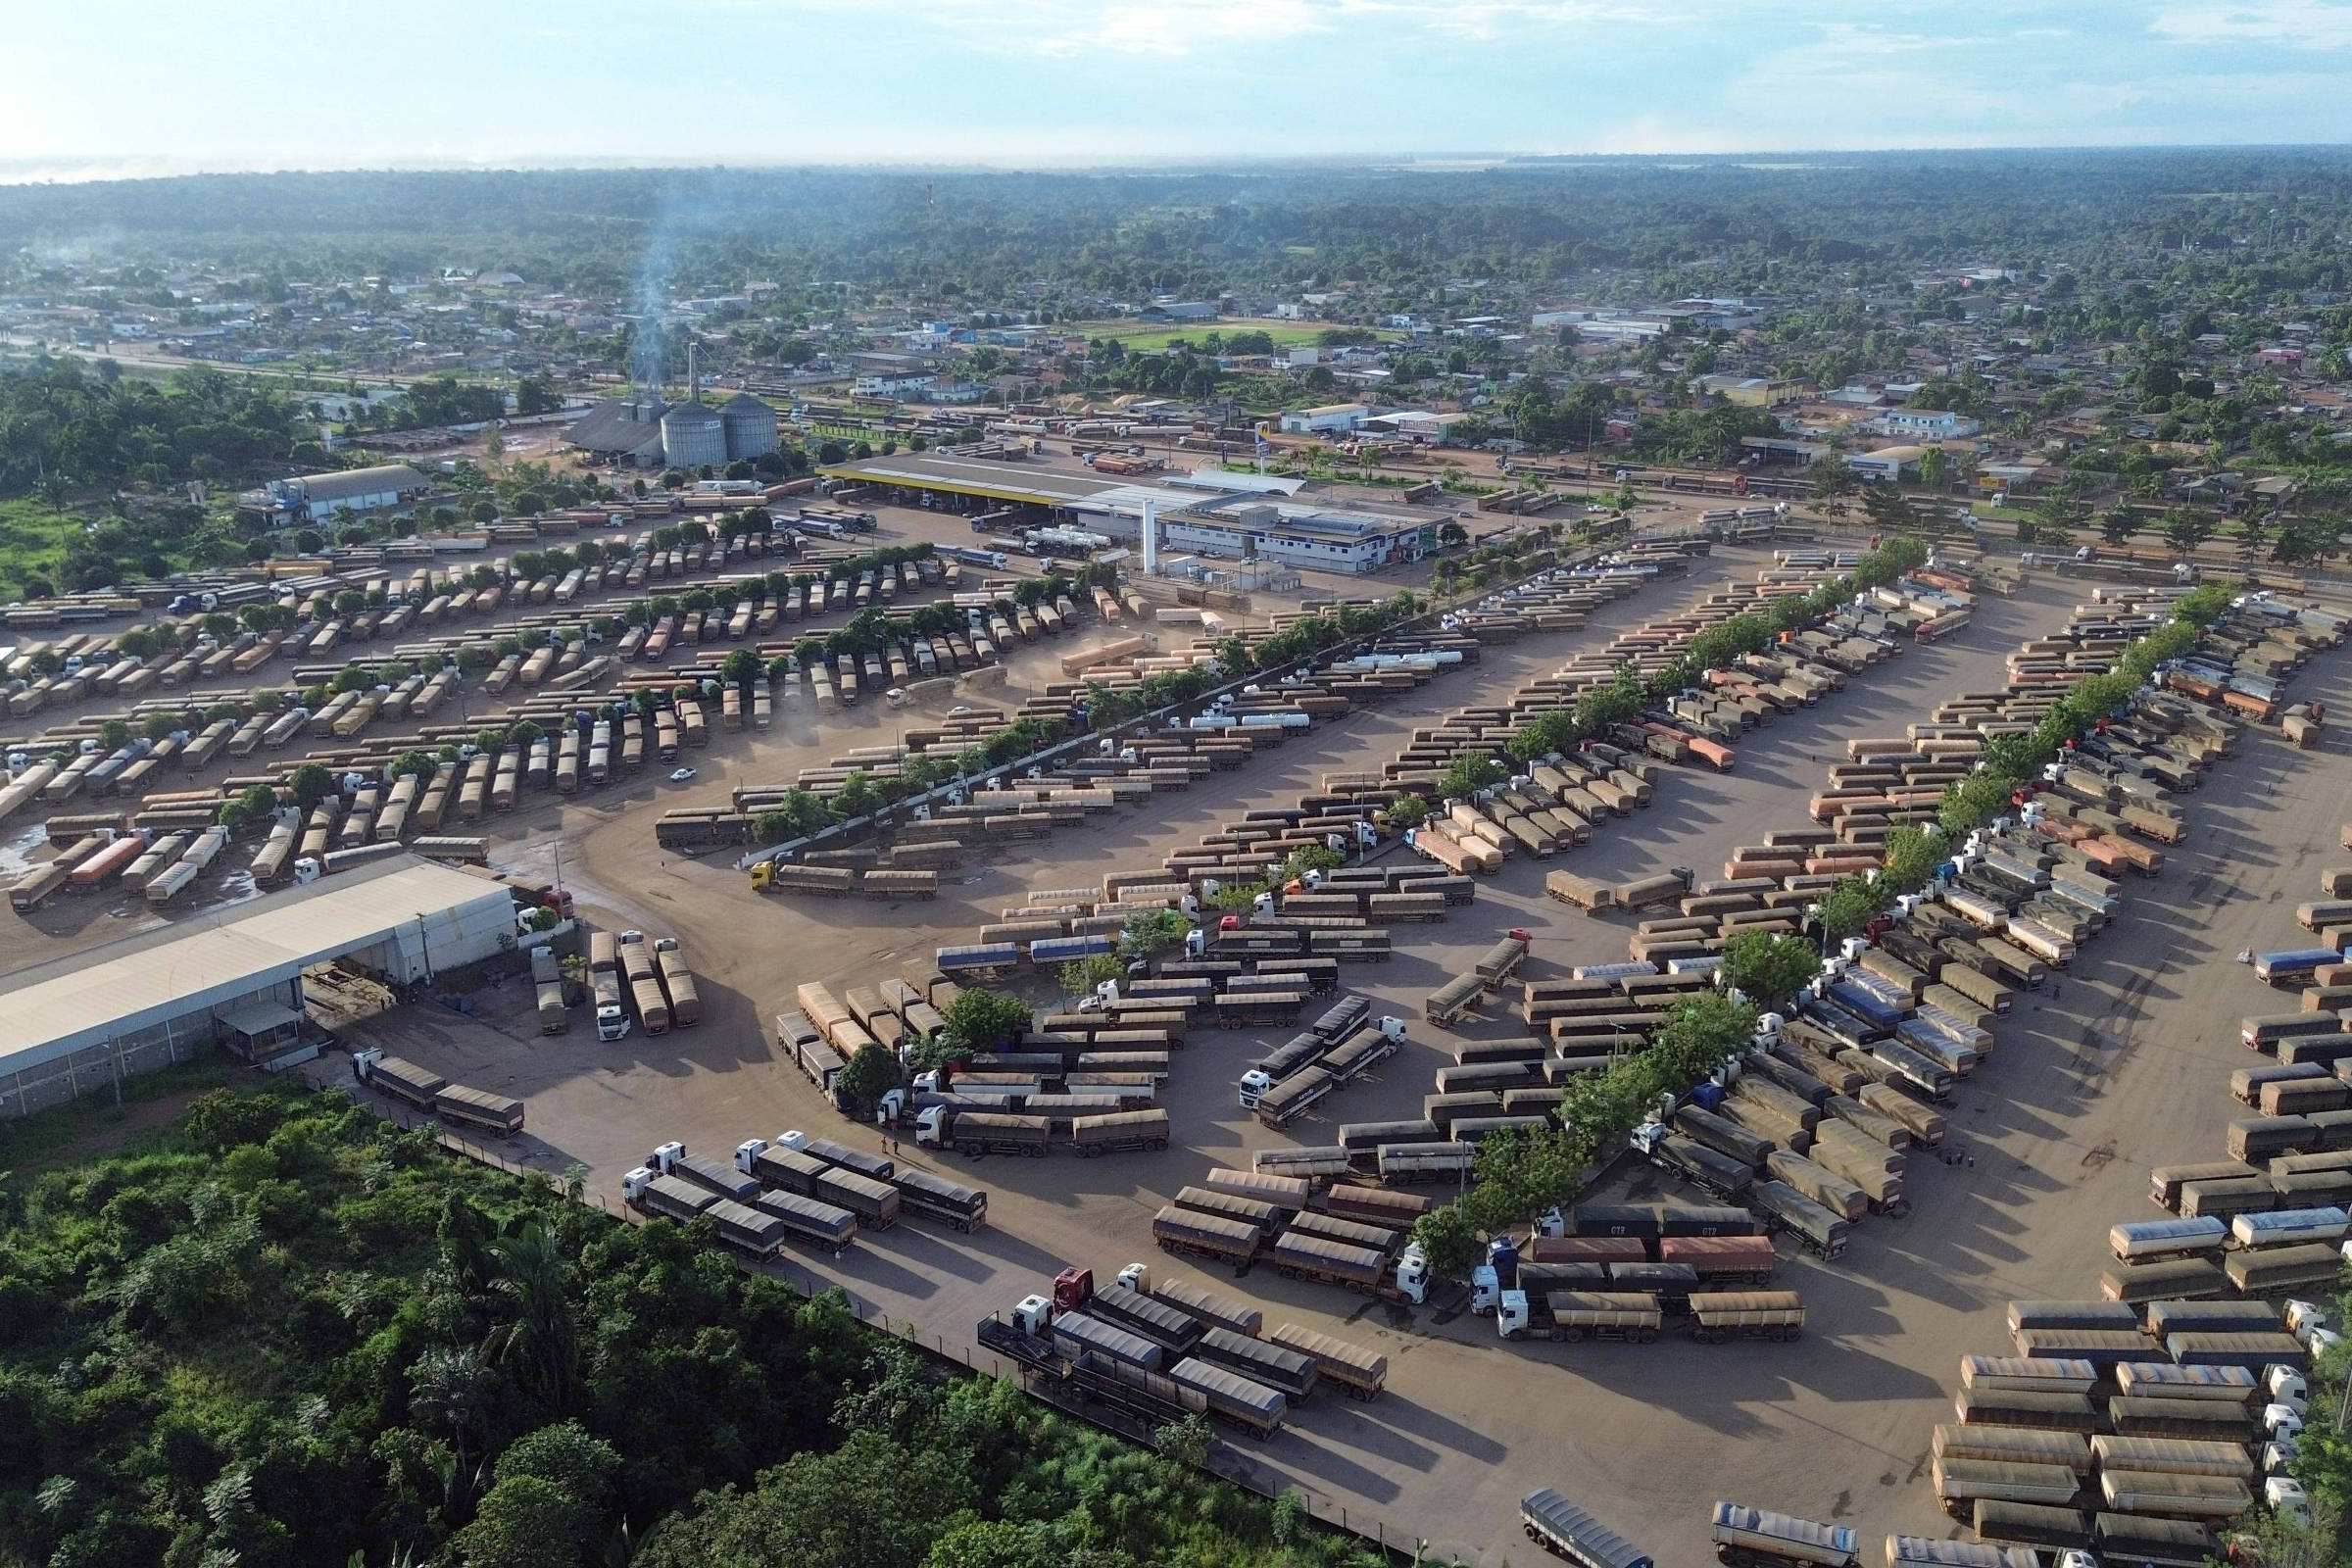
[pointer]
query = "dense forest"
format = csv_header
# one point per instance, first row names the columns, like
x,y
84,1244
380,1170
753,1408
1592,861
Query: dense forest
x,y
288,1333
1712,223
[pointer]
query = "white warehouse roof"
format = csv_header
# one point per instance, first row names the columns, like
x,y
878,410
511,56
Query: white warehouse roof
x,y
84,999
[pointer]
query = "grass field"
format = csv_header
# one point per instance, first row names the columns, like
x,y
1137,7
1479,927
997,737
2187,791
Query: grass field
x,y
33,542
1152,335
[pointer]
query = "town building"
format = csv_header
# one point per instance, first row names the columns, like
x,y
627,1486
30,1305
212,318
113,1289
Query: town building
x,y
314,498
1333,418
1924,425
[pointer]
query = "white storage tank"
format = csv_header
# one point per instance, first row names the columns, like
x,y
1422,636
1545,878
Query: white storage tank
x,y
694,436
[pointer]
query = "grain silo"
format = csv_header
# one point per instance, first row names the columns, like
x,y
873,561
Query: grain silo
x,y
694,436
751,426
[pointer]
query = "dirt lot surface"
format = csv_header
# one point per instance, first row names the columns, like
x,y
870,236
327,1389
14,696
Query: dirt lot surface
x,y
2121,1068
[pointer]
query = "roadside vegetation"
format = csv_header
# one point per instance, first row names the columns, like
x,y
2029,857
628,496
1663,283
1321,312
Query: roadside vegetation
x,y
282,1332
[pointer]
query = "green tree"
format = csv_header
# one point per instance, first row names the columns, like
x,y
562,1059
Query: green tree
x,y
2186,530
870,1503
1470,774
1449,1239
527,1522
869,1075
1850,906
1407,812
1769,966
1079,979
309,785
981,1019
1148,932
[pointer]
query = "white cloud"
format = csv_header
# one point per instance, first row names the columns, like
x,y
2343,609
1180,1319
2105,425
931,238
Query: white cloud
x,y
1180,28
2304,24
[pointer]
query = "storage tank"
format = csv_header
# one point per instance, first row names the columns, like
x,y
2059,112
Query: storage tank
x,y
693,436
750,425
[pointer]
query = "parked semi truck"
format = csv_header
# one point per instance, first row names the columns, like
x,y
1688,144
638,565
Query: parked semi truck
x,y
398,1077
1566,1531
1108,1366
1759,1538
1634,1316
980,1132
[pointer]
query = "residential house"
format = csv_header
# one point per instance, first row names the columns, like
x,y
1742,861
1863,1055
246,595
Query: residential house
x,y
1925,425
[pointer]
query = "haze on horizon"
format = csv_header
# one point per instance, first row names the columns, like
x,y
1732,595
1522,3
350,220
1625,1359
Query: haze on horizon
x,y
146,88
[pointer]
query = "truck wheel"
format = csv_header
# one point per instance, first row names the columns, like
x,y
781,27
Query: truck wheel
x,y
1645,1335
1572,1335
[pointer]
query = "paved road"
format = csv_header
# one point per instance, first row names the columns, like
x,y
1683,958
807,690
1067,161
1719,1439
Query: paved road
x,y
2126,1069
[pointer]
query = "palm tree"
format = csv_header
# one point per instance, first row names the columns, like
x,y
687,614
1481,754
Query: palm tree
x,y
450,1388
544,1335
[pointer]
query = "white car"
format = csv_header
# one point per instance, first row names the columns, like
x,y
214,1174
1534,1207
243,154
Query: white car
x,y
679,775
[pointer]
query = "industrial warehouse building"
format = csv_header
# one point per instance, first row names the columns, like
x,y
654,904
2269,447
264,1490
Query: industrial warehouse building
x,y
1209,512
82,1023
311,498
641,430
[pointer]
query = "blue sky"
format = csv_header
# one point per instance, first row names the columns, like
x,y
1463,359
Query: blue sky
x,y
141,87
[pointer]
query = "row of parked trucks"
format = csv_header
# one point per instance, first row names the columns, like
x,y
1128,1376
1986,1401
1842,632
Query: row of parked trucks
x,y
1746,1536
1809,1126
636,981
425,1090
2136,1424
1347,1234
1155,1352
1342,1045
2117,1423
810,1190
1621,1271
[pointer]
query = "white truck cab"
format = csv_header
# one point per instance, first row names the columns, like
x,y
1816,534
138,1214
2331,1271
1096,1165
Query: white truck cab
x,y
1412,1273
929,1124
1033,1316
1136,1277
1486,1289
2304,1316
613,1021
1254,1083
634,1184
748,1152
2285,1384
668,1155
